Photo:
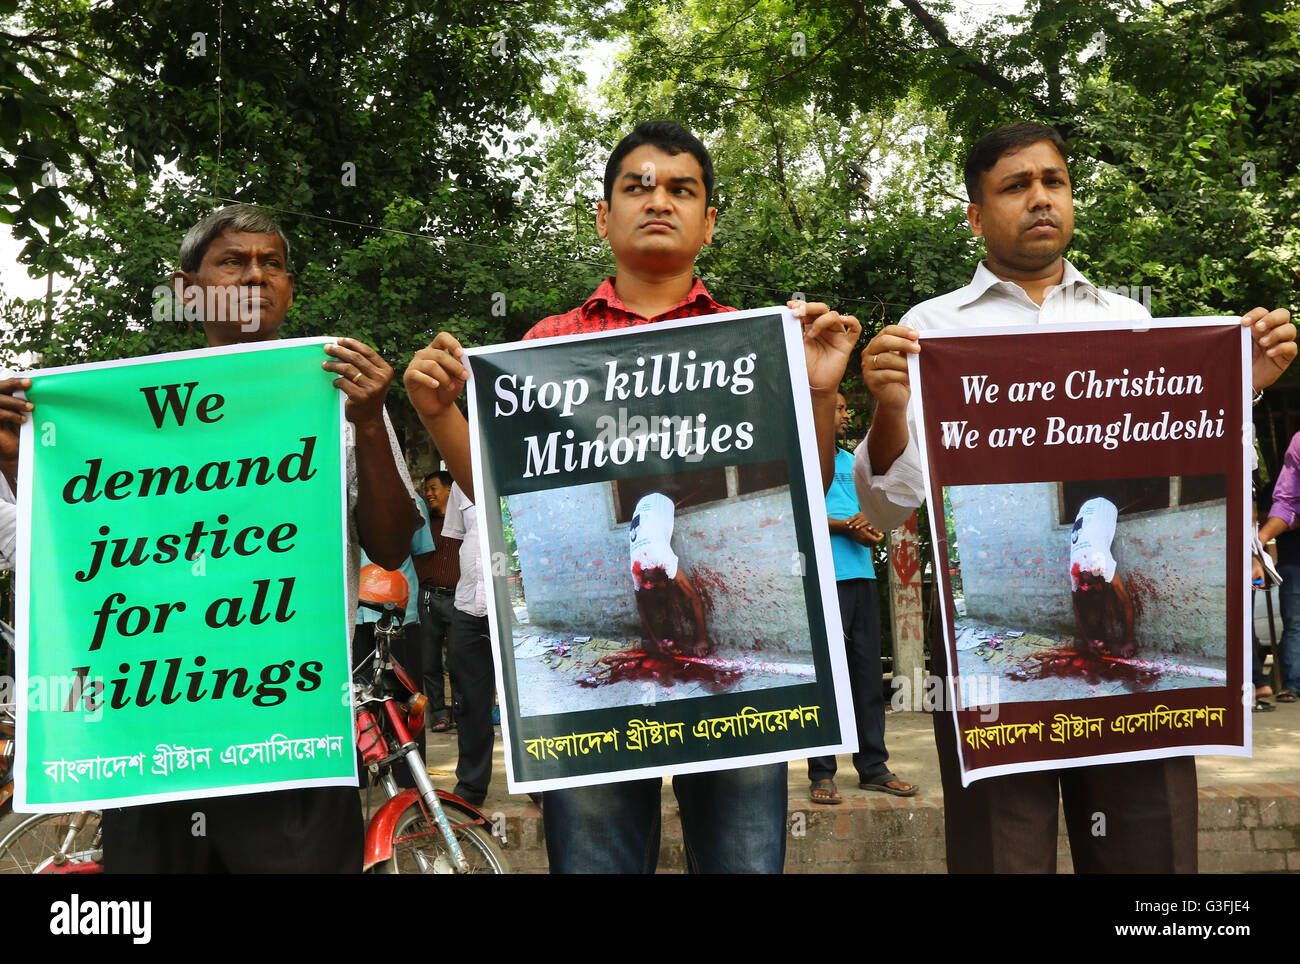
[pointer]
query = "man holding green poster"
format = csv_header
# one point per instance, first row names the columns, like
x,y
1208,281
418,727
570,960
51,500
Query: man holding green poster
x,y
234,265
657,214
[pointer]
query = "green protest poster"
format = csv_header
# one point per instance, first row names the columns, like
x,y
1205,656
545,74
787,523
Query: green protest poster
x,y
661,591
181,610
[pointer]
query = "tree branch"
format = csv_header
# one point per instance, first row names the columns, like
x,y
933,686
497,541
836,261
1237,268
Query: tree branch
x,y
814,58
777,143
964,60
731,26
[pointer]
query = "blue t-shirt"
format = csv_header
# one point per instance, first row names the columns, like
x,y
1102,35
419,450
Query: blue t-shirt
x,y
852,561
421,543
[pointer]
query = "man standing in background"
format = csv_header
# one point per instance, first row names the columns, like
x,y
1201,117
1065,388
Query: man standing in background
x,y
852,537
469,655
439,571
408,648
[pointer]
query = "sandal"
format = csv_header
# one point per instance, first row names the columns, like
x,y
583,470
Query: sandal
x,y
1288,695
882,783
441,725
1262,707
823,791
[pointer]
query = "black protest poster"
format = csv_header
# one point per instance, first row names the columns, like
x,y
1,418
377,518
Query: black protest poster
x,y
661,593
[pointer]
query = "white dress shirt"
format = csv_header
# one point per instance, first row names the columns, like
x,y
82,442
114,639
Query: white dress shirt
x,y
8,511
888,499
8,524
461,522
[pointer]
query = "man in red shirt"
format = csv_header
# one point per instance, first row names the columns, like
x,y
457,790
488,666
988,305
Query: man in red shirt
x,y
656,216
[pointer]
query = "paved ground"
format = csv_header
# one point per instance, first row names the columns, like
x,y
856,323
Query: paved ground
x,y
912,756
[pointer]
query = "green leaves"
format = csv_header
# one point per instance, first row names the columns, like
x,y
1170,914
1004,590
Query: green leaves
x,y
429,182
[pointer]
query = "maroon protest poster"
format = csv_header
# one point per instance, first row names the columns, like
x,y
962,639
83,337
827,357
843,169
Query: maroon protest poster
x,y
1088,502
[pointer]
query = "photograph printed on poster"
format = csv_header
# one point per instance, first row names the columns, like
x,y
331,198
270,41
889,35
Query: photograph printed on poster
x,y
1090,588
657,588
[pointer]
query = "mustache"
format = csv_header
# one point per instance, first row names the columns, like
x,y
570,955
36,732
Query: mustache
x,y
1050,218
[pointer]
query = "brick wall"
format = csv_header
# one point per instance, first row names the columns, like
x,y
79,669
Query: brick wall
x,y
1015,565
1253,828
741,555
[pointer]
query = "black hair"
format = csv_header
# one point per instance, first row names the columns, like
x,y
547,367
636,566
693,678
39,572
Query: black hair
x,y
671,138
241,218
443,477
989,148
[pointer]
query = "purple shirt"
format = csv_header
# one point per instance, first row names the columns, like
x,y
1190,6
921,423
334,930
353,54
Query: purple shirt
x,y
1286,490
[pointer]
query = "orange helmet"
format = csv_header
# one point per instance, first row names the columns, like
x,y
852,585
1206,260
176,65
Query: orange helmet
x,y
379,586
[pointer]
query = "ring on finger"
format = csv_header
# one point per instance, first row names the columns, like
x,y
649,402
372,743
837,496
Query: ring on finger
x,y
874,359
356,379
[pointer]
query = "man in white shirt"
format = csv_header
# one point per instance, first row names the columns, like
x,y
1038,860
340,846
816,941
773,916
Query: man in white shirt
x,y
1021,204
8,475
8,524
469,654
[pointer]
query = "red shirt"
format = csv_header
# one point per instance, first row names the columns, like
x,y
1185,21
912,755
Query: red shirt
x,y
605,311
441,567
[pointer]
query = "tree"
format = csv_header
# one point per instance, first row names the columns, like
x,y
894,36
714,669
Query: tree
x,y
380,131
1181,117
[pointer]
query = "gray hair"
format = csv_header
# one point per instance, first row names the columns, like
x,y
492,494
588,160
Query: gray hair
x,y
242,218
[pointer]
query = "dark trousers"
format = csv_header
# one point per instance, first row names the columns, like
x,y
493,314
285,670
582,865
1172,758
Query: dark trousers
x,y
436,611
406,649
315,830
1122,818
469,658
860,614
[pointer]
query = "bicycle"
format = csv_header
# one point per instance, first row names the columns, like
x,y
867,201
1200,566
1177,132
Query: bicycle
x,y
418,830
422,829
40,843
51,843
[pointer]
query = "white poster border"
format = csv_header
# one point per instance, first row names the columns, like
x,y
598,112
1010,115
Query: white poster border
x,y
22,589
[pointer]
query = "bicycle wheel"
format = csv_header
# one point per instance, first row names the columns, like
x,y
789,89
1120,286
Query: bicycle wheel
x,y
29,842
419,848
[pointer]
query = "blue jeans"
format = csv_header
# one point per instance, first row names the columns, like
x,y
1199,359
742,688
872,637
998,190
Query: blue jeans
x,y
733,822
1289,645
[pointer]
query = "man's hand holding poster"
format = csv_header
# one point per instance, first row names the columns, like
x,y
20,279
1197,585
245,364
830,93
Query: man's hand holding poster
x,y
1087,492
662,593
182,617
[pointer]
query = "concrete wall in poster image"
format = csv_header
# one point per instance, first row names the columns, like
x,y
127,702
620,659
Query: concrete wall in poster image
x,y
579,640
1015,603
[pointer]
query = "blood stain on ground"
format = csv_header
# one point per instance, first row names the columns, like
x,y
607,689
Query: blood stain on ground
x,y
1066,663
637,667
